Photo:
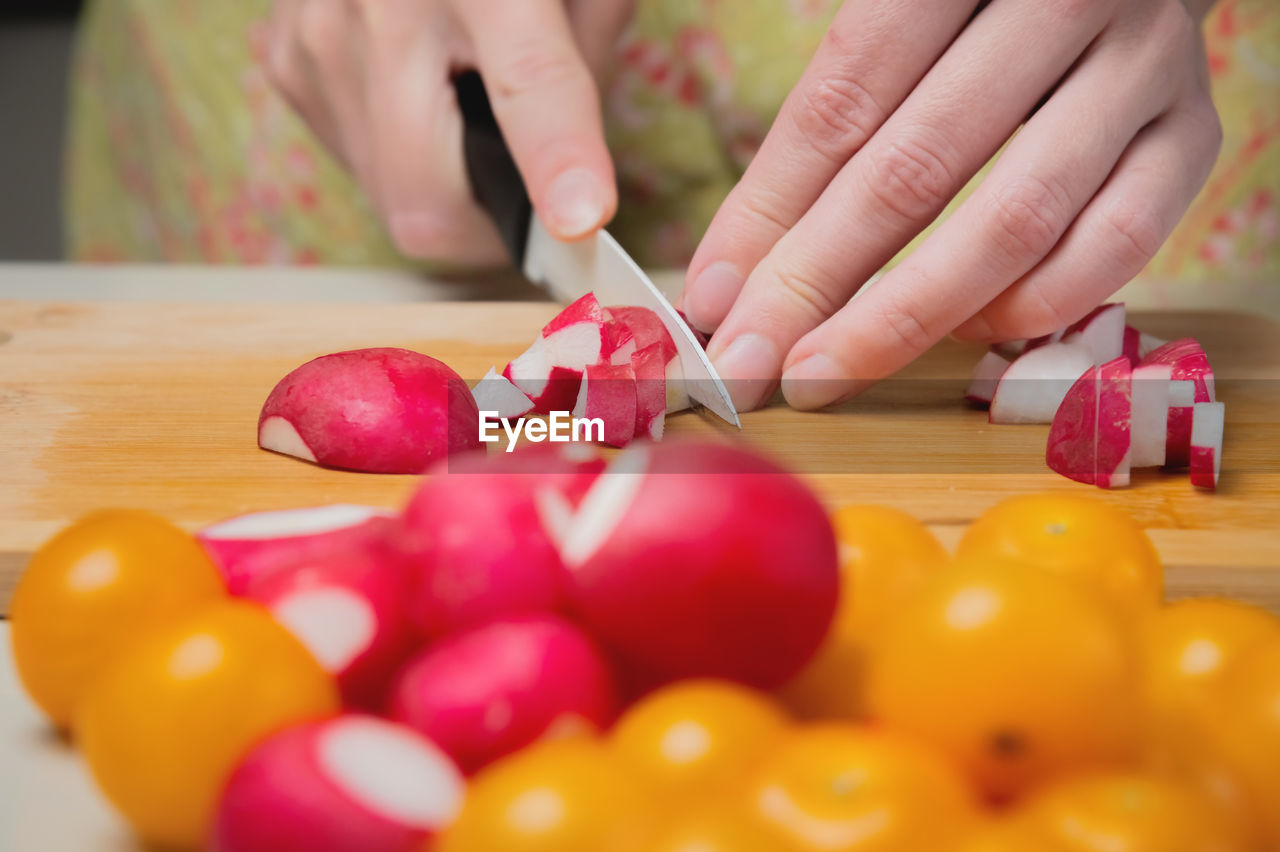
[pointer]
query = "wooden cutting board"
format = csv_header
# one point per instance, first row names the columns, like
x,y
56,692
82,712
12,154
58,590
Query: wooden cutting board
x,y
154,405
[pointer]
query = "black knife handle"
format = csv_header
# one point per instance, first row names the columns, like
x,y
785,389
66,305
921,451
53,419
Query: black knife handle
x,y
495,180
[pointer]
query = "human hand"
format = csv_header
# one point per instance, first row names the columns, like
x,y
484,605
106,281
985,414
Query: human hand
x,y
902,104
372,78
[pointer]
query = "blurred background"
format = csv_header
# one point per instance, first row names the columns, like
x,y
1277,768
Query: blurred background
x,y
35,46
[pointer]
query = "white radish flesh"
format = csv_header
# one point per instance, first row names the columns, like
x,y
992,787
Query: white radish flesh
x,y
1112,454
986,375
1102,331
1034,386
1149,426
1207,422
497,394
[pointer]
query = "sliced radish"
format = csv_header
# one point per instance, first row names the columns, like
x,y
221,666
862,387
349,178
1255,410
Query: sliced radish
x,y
550,370
1073,436
650,368
1207,422
1188,362
255,545
497,394
1102,331
1115,411
1033,387
347,606
375,410
646,327
1149,429
352,782
986,375
585,309
490,691
671,566
1132,348
1148,343
608,393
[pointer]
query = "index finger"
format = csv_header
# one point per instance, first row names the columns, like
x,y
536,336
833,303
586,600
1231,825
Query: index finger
x,y
546,102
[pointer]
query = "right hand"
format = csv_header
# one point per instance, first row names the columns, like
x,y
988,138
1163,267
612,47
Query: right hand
x,y
372,78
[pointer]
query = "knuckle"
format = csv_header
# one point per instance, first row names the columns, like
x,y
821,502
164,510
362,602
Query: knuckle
x,y
808,292
533,67
761,207
1074,10
1136,230
320,29
906,326
909,180
837,116
1173,30
1029,216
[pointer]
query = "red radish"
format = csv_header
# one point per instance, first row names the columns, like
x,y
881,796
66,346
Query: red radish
x,y
700,559
347,606
479,549
255,545
1188,362
1132,348
646,328
1207,422
1033,386
496,393
986,375
374,410
1102,331
495,689
650,368
350,783
1115,410
1073,437
584,309
550,370
1148,429
608,393
1148,343
622,343
700,336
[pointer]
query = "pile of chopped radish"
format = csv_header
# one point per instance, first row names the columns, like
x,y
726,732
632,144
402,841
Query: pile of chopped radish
x,y
1116,399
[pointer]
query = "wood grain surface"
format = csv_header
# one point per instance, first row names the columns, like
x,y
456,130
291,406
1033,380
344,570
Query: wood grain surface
x,y
154,405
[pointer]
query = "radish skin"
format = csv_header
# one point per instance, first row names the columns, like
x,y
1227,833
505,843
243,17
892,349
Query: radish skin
x,y
1207,422
650,368
1073,436
353,783
373,410
1188,362
493,690
609,393
1115,412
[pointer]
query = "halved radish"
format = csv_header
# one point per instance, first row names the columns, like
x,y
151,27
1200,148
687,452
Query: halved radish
x,y
1102,331
1188,362
347,606
1115,412
374,410
986,375
608,393
492,690
497,394
650,368
1149,424
255,545
1034,386
672,567
1207,422
354,782
1073,437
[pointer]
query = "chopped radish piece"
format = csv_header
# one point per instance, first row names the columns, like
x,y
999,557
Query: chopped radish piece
x,y
352,782
495,689
1132,345
1073,437
347,607
374,410
700,336
251,546
1102,331
497,393
671,566
1115,412
608,393
550,370
1033,386
1148,343
1188,362
1149,425
1207,422
986,375
585,309
650,368
646,327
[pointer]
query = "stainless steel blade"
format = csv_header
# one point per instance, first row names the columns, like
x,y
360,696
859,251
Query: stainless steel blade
x,y
600,265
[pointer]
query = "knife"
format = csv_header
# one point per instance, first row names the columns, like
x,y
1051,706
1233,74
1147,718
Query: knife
x,y
570,270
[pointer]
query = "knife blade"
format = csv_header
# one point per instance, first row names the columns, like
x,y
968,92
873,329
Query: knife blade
x,y
570,270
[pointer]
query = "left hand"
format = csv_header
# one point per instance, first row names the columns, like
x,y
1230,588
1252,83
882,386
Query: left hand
x,y
902,104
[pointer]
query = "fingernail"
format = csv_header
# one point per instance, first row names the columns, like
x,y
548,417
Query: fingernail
x,y
817,381
575,203
711,294
749,367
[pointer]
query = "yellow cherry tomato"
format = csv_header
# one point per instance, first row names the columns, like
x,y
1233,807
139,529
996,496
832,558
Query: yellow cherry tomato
x,y
839,788
1188,643
1008,834
1127,813
166,722
721,827
691,739
886,556
1079,537
554,796
1242,719
92,588
1015,675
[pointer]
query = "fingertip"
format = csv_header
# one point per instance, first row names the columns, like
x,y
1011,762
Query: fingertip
x,y
710,295
749,366
577,203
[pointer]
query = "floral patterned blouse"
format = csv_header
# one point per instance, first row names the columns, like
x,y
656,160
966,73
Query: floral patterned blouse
x,y
180,151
